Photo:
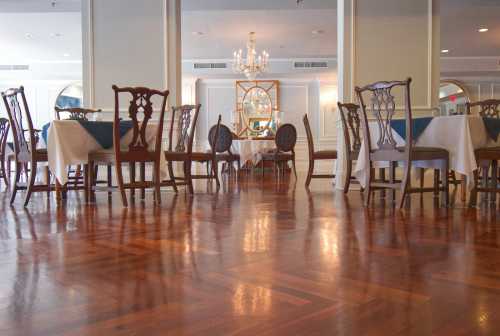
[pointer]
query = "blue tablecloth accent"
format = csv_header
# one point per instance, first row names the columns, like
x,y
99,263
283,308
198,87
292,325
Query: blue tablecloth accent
x,y
101,131
492,126
418,126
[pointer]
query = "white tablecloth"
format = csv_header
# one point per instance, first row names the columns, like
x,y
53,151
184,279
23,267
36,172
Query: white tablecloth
x,y
68,143
251,150
460,135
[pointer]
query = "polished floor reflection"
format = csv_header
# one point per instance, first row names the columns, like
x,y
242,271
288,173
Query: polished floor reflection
x,y
259,258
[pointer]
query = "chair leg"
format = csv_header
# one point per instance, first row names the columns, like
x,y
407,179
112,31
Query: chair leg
x,y
85,182
132,178
119,178
143,179
47,178
109,169
215,170
172,176
446,191
473,193
421,172
157,182
494,181
294,167
90,180
4,172
17,177
392,180
368,187
405,185
436,182
348,174
30,182
310,172
187,175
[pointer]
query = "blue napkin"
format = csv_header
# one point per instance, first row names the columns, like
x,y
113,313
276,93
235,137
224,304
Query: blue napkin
x,y
492,126
418,126
101,131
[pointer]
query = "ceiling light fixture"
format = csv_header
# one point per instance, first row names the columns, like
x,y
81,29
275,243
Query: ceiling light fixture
x,y
445,51
318,32
483,30
66,55
28,35
253,65
197,33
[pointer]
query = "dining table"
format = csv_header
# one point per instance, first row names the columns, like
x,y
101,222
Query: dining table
x,y
69,143
460,135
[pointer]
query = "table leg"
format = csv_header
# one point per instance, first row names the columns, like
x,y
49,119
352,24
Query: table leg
x,y
58,191
463,189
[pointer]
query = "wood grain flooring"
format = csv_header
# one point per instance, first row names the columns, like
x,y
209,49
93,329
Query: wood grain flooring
x,y
258,258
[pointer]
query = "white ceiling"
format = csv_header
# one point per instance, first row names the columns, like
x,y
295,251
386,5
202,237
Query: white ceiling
x,y
17,6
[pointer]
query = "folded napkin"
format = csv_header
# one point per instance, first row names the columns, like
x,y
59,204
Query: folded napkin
x,y
418,126
101,131
492,126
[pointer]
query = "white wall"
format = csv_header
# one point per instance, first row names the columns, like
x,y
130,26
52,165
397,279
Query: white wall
x,y
297,97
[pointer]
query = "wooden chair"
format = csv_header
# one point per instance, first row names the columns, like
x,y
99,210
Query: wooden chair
x,y
383,108
75,113
487,157
186,127
208,157
75,175
27,156
223,147
316,155
351,123
285,139
138,150
4,132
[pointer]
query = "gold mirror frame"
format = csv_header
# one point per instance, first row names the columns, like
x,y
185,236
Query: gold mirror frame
x,y
465,92
244,124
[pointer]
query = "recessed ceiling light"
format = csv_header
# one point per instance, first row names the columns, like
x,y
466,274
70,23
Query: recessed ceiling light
x,y
55,35
318,32
445,51
28,35
66,55
197,33
483,30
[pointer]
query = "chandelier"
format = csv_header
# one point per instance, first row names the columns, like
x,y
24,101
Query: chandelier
x,y
253,65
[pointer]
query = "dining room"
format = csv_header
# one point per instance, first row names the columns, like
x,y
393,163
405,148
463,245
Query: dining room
x,y
226,167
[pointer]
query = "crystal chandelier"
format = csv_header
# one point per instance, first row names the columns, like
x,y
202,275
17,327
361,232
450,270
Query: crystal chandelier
x,y
253,65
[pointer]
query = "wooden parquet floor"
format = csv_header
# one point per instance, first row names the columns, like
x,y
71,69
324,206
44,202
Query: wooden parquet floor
x,y
259,258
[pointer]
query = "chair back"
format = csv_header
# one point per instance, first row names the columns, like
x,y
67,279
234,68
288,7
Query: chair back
x,y
286,138
4,132
351,123
310,139
213,136
487,108
75,113
224,138
24,135
383,107
186,117
140,111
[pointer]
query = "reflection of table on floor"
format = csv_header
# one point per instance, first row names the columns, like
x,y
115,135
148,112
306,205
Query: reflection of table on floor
x,y
251,150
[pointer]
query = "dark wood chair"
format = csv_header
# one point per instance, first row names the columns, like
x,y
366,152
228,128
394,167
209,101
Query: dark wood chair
x,y
487,158
26,154
209,157
181,148
316,155
75,175
383,108
351,125
285,139
223,148
138,150
75,113
4,132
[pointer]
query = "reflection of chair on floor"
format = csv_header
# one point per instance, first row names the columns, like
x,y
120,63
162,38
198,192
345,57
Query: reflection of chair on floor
x,y
316,155
4,132
27,156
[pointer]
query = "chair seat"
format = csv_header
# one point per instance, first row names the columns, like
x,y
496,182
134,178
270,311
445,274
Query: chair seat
x,y
201,156
429,153
102,156
487,153
271,156
325,155
176,156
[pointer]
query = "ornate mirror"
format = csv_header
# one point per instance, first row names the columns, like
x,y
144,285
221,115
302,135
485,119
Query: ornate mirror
x,y
453,95
70,96
256,106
